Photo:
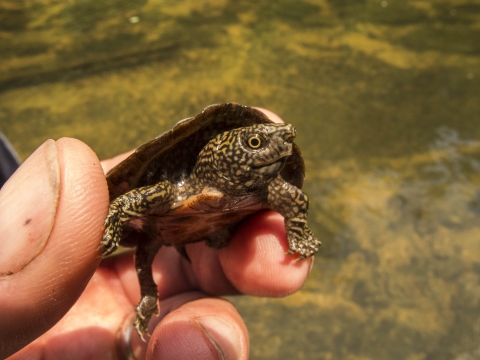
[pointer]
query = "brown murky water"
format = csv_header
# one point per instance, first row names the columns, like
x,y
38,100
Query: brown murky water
x,y
385,97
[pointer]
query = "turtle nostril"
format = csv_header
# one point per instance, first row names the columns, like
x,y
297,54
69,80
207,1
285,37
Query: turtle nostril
x,y
290,133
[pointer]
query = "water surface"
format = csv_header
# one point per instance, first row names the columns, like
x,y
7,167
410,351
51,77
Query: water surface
x,y
385,98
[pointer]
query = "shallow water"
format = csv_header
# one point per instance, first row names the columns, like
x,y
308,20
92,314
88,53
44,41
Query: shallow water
x,y
385,98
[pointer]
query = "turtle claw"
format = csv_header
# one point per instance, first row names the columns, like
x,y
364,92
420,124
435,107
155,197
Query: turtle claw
x,y
147,308
108,248
300,258
141,327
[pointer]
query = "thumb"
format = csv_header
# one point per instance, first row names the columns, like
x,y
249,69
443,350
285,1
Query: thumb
x,y
51,215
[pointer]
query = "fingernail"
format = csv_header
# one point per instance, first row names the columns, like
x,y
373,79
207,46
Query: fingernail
x,y
28,204
223,336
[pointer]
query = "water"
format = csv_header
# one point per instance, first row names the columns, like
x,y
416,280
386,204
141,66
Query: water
x,y
385,98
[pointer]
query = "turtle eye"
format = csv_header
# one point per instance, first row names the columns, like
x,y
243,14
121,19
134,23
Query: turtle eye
x,y
254,141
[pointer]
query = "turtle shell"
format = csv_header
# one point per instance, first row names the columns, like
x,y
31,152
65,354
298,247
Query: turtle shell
x,y
172,155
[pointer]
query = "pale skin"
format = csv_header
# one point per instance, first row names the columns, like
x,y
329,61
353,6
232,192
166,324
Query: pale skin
x,y
63,302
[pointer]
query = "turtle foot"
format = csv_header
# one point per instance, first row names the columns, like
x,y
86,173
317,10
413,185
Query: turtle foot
x,y
301,240
145,310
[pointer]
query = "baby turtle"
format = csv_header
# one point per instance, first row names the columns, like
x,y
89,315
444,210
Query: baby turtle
x,y
197,181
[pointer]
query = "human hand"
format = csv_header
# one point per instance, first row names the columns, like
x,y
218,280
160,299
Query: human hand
x,y
56,301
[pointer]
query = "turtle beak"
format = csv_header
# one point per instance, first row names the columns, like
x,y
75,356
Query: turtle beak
x,y
287,133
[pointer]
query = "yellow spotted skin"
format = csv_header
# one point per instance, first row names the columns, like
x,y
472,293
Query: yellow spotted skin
x,y
197,182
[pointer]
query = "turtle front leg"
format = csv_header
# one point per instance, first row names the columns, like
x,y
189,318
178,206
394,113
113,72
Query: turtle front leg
x,y
292,203
130,205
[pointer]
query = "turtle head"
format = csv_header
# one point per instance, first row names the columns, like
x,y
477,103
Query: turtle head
x,y
244,159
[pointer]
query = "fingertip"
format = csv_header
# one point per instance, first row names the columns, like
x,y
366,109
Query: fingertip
x,y
83,199
255,261
207,328
108,164
271,115
37,295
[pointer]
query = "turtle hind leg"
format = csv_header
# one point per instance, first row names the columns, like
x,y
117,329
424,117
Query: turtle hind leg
x,y
148,305
219,239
